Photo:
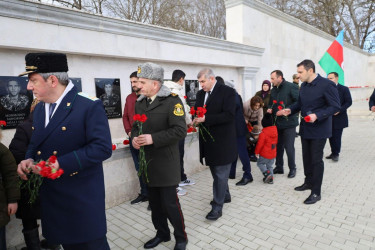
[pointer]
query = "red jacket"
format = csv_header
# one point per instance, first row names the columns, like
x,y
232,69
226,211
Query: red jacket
x,y
266,145
129,112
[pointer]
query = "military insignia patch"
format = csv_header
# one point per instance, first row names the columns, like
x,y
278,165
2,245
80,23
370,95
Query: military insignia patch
x,y
139,70
178,110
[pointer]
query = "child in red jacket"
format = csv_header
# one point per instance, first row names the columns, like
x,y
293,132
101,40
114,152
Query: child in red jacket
x,y
266,148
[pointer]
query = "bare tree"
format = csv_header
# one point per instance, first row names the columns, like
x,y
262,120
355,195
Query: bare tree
x,y
357,17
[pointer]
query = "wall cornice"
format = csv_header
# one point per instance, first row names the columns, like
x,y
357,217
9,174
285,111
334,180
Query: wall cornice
x,y
262,7
37,12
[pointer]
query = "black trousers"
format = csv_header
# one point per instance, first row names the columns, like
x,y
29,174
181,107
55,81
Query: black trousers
x,y
312,154
285,141
335,141
99,244
165,205
181,146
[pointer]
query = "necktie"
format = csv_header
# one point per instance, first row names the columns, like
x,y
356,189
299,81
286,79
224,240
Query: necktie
x,y
148,102
208,96
51,108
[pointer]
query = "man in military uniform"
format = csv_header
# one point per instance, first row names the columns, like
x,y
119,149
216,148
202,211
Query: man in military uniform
x,y
14,101
162,131
109,98
74,128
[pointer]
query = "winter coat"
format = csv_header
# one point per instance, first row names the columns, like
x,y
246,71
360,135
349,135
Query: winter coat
x,y
266,100
252,115
18,147
220,122
9,188
167,126
288,93
267,141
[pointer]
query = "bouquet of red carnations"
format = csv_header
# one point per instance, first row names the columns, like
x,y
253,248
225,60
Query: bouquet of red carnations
x,y
200,112
139,120
46,170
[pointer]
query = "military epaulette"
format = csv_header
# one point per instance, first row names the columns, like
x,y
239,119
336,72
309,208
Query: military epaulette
x,y
92,98
173,94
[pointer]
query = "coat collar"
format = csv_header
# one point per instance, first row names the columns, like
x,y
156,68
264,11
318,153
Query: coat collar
x,y
59,116
162,93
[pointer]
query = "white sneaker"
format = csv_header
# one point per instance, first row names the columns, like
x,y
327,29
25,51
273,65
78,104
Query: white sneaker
x,y
186,182
181,192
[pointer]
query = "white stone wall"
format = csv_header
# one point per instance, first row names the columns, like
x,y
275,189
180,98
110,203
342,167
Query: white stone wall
x,y
287,41
100,47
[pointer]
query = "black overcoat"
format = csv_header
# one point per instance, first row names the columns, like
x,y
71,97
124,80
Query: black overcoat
x,y
220,122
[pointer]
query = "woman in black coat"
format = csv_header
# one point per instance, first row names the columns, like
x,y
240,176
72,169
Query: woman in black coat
x,y
29,214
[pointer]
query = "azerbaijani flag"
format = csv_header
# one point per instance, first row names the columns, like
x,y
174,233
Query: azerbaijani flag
x,y
333,59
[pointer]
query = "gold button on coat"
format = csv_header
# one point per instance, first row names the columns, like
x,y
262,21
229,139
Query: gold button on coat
x,y
54,152
38,153
63,128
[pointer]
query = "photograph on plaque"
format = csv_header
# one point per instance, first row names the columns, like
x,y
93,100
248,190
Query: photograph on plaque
x,y
191,88
15,100
108,90
77,82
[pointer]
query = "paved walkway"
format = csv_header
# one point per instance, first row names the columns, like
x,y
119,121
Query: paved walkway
x,y
263,216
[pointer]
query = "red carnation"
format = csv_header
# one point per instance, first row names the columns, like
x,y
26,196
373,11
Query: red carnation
x,y
55,173
126,142
274,101
281,102
307,118
3,123
192,111
52,159
143,118
190,129
136,117
280,108
45,172
185,97
114,146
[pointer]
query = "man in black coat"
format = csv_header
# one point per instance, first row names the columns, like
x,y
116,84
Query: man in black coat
x,y
161,133
371,102
318,101
339,119
219,151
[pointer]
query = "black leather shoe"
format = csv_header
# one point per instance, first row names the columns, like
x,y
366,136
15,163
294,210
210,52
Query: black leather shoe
x,y
226,200
313,198
335,158
232,177
244,181
278,171
155,241
329,156
303,187
213,215
292,173
180,246
44,244
139,199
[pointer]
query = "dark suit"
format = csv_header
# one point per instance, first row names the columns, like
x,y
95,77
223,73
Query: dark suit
x,y
219,154
340,121
319,97
73,206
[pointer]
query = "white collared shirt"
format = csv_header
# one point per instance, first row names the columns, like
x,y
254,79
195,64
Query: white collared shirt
x,y
46,106
206,96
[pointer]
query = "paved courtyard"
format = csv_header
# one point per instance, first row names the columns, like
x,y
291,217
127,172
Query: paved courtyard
x,y
263,216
